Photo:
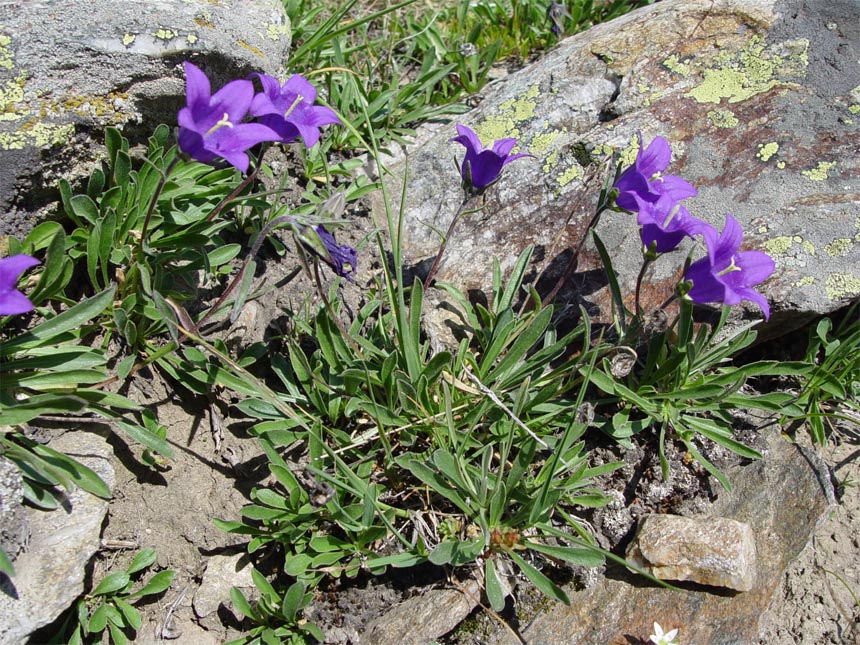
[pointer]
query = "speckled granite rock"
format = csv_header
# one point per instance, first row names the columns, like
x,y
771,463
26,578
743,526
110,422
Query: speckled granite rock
x,y
760,101
68,68
714,551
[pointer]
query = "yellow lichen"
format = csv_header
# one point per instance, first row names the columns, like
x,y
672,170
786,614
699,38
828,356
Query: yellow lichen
x,y
41,135
249,47
805,281
128,39
819,173
838,247
780,164
191,39
543,140
808,246
778,245
723,118
550,161
5,54
754,69
767,150
841,286
574,172
165,34
854,109
276,32
674,65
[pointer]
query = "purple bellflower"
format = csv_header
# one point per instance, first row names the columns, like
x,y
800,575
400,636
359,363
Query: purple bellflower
x,y
727,275
341,257
643,181
665,223
210,124
289,110
481,166
13,301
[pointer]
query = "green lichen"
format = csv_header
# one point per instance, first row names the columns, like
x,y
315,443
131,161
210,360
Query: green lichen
x,y
550,161
5,53
839,246
754,69
276,32
627,156
780,164
676,66
11,95
165,34
541,142
128,39
808,246
779,245
841,286
767,150
191,39
854,109
819,173
723,118
805,281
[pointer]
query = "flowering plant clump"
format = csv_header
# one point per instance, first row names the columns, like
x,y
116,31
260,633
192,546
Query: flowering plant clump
x,y
13,301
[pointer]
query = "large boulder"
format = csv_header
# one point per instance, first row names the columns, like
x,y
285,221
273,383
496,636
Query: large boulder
x,y
69,68
760,101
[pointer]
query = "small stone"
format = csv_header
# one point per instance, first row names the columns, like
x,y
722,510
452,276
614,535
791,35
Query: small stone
x,y
712,551
222,572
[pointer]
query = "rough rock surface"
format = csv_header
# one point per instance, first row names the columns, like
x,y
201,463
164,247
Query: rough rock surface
x,y
49,575
14,529
760,101
70,68
712,551
783,498
222,572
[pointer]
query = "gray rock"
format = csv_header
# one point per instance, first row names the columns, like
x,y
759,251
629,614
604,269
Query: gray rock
x,y
49,575
222,572
423,619
712,551
14,529
69,68
759,102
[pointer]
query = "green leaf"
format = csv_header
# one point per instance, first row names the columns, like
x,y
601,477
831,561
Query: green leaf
x,y
98,620
241,604
84,208
111,583
493,586
147,438
577,555
156,584
131,614
116,634
539,580
293,601
78,473
6,564
142,559
266,590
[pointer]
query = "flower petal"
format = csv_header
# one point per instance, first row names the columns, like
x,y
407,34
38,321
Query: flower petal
x,y
654,158
12,267
197,88
14,302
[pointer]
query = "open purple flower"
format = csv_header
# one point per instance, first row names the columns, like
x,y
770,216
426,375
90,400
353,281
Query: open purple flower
x,y
665,223
727,275
340,257
644,181
13,301
210,125
289,110
482,166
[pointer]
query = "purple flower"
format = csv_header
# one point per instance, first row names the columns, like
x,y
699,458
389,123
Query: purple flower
x,y
13,301
482,166
210,125
665,223
340,257
727,275
289,110
643,181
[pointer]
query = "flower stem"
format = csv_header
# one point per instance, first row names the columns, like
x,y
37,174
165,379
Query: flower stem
x,y
158,188
639,279
433,267
238,189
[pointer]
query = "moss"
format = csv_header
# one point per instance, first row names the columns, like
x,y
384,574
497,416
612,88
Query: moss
x,y
767,150
839,246
841,286
819,173
723,118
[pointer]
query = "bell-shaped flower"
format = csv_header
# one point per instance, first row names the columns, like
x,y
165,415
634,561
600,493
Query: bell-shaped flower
x,y
644,181
481,166
340,257
13,301
210,125
289,109
727,275
665,223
